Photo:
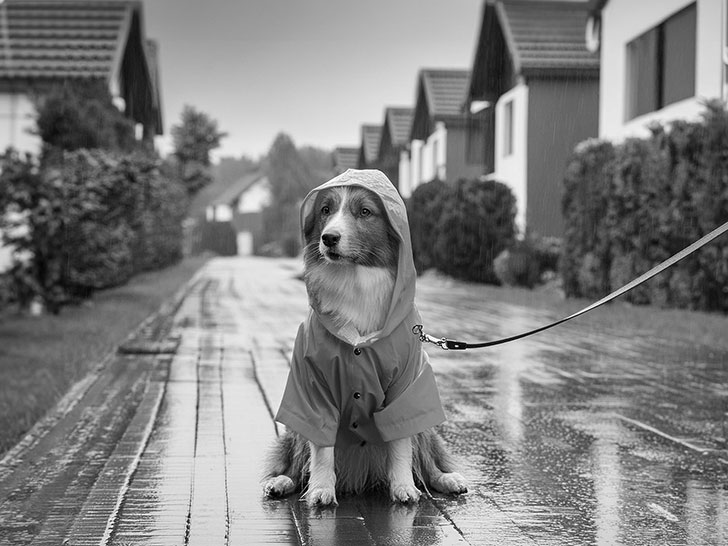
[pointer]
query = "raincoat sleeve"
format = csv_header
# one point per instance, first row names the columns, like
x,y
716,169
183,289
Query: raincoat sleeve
x,y
308,406
412,402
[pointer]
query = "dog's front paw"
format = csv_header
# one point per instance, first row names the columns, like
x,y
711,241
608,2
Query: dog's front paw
x,y
450,483
278,487
405,493
321,497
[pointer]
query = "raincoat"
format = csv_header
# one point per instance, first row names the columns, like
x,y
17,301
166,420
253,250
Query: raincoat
x,y
344,389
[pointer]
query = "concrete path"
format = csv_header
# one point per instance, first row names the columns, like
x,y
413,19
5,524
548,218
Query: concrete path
x,y
578,437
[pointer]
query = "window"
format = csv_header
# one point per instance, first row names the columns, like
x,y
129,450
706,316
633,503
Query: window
x,y
508,128
661,64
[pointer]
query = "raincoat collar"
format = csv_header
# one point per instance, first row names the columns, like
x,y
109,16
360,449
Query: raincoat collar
x,y
404,286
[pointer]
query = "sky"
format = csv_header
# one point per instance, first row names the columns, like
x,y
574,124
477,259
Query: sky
x,y
314,69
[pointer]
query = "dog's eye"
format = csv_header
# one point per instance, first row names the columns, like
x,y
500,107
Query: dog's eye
x,y
365,212
325,209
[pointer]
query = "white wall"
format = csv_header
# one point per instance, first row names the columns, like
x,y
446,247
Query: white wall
x,y
405,179
256,198
511,169
17,118
623,21
416,147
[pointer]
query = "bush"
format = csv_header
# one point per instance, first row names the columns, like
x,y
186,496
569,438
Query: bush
x,y
424,208
476,223
91,223
631,206
528,262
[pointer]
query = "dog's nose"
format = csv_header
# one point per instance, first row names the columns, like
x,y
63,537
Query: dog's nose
x,y
330,239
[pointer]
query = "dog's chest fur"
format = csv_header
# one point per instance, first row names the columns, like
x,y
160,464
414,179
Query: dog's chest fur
x,y
354,295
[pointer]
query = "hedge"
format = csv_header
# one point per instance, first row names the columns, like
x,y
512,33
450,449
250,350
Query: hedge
x,y
630,206
89,223
460,228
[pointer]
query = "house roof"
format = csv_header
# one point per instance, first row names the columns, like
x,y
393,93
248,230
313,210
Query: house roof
x,y
370,135
441,95
398,121
49,40
238,188
345,158
530,38
546,35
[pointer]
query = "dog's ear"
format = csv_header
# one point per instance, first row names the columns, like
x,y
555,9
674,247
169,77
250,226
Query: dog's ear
x,y
309,225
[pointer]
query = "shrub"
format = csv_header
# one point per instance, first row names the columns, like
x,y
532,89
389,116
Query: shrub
x,y
90,223
424,208
528,262
656,196
476,223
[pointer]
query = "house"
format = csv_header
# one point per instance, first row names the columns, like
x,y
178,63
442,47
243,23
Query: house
x,y
369,148
395,136
241,206
659,60
43,43
535,92
439,145
345,157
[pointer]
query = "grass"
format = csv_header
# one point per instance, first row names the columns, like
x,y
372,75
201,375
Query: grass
x,y
41,357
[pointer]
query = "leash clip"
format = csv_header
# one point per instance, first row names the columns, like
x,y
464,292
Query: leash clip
x,y
444,343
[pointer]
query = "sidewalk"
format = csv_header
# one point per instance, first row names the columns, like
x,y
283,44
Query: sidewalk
x,y
559,438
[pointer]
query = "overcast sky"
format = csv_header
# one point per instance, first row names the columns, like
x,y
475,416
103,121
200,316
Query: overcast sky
x,y
315,69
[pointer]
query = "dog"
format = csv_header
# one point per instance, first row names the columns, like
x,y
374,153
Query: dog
x,y
361,401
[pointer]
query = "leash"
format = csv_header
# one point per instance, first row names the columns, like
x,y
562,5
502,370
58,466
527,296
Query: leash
x,y
451,344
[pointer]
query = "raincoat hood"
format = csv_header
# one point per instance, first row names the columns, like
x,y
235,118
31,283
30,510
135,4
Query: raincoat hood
x,y
403,295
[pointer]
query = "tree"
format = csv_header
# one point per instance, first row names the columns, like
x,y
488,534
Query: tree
x,y
80,114
290,179
194,138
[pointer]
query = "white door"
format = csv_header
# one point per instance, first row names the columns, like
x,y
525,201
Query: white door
x,y
245,243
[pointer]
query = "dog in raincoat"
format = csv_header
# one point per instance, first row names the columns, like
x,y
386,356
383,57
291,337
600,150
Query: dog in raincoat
x,y
361,399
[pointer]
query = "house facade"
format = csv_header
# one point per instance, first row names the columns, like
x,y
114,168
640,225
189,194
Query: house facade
x,y
535,92
345,157
439,142
43,43
241,207
369,147
395,136
659,60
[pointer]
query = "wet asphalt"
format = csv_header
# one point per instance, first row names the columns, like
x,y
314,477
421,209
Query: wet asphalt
x,y
575,436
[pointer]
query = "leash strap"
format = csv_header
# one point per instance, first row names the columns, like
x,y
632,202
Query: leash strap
x,y
451,344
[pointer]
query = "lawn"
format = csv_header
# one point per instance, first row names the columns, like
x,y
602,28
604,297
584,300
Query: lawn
x,y
41,357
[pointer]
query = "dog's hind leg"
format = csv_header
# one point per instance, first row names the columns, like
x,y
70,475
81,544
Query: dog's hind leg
x,y
287,466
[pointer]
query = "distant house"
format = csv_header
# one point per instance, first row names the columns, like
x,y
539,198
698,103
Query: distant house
x,y
369,148
241,207
659,60
438,139
45,42
345,158
395,136
535,91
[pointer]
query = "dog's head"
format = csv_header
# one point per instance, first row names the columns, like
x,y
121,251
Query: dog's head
x,y
349,225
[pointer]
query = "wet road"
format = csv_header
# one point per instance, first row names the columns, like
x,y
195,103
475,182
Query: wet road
x,y
576,436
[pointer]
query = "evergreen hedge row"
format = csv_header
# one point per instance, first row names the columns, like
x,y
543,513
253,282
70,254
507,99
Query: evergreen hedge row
x,y
88,223
460,228
632,205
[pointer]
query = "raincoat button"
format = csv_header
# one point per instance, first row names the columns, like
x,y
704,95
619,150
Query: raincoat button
x,y
354,424
357,395
357,351
363,443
